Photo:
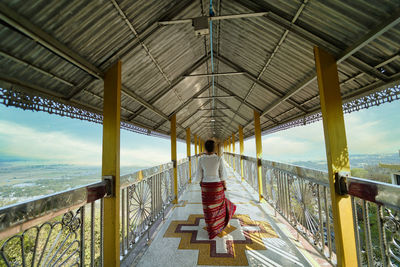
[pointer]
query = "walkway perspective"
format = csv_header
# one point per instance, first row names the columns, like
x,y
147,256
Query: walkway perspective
x,y
254,237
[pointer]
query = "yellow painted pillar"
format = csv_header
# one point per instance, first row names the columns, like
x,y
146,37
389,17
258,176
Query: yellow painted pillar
x,y
230,151
241,150
174,156
233,151
188,143
337,155
111,162
140,175
195,144
257,134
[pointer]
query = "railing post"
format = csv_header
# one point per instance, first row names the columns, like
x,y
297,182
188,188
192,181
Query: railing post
x,y
233,151
337,155
111,162
257,134
140,175
241,149
188,143
174,156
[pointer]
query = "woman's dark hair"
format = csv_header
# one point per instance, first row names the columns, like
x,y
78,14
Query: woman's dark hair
x,y
209,145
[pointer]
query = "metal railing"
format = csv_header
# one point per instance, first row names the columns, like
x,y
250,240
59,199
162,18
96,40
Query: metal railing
x,y
67,228
302,197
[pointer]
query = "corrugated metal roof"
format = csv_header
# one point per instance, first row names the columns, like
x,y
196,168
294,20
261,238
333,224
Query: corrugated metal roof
x,y
274,51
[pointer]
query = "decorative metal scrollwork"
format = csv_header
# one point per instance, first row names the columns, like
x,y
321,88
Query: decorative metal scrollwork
x,y
392,225
139,209
166,187
54,243
304,207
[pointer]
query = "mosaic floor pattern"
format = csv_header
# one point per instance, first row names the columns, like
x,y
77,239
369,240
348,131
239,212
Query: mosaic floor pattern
x,y
252,238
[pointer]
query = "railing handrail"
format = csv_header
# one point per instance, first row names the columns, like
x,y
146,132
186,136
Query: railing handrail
x,y
373,191
18,217
317,176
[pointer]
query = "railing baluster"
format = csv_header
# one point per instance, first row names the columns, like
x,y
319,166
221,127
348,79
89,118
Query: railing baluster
x,y
321,229
92,231
82,210
123,220
382,235
367,233
101,232
356,231
328,223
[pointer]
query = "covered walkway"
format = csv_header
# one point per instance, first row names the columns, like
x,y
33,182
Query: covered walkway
x,y
255,236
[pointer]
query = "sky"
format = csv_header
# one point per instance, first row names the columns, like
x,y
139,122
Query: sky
x,y
39,136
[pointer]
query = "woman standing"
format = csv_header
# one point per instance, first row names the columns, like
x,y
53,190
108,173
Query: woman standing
x,y
218,210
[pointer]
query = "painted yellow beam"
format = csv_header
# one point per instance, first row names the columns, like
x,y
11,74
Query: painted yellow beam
x,y
241,150
195,144
188,143
233,151
111,162
257,135
337,155
174,157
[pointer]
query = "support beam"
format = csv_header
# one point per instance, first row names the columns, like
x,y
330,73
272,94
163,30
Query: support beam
x,y
257,134
174,157
279,18
232,16
233,151
215,97
38,35
215,74
337,155
241,150
111,162
188,154
42,71
195,145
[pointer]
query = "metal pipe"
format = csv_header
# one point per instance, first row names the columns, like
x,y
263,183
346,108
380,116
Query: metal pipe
x,y
233,16
215,74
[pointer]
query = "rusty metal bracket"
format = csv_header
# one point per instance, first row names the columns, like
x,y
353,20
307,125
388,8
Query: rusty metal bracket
x,y
110,185
341,183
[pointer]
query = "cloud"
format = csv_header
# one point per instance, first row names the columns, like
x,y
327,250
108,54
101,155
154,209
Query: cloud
x,y
21,141
371,137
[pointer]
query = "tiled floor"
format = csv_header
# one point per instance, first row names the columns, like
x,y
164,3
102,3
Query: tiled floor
x,y
253,238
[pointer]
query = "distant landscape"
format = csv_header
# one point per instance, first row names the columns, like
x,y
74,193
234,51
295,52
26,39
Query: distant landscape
x,y
22,180
362,165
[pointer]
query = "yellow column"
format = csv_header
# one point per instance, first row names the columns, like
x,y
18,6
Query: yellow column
x,y
140,175
233,151
241,150
188,143
173,157
111,161
195,144
257,134
336,154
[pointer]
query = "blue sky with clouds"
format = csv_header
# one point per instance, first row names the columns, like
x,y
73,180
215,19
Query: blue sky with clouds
x,y
41,136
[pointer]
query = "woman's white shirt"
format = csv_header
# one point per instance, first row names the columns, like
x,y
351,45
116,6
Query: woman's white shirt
x,y
210,169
